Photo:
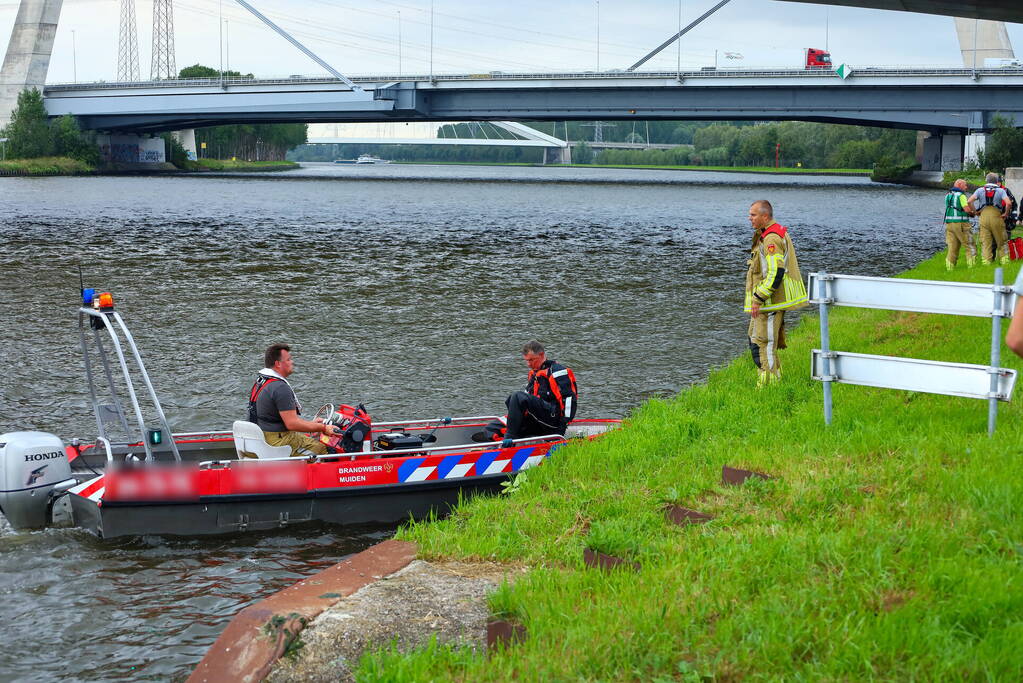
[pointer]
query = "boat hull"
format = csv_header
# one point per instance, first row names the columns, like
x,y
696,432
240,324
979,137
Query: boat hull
x,y
212,491
388,504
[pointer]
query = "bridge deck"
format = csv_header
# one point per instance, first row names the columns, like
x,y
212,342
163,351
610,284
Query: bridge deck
x,y
953,99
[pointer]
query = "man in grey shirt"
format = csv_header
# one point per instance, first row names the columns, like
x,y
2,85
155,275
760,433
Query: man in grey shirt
x,y
275,408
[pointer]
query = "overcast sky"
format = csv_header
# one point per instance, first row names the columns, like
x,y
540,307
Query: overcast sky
x,y
361,36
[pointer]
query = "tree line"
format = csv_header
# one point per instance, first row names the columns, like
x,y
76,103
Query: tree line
x,y
698,143
788,143
248,142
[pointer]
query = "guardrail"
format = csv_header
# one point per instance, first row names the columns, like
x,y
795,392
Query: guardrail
x,y
709,73
989,382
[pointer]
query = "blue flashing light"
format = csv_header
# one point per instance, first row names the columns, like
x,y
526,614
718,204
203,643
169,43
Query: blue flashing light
x,y
88,295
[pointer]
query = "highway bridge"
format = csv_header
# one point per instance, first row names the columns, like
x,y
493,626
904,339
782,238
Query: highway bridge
x,y
938,100
948,103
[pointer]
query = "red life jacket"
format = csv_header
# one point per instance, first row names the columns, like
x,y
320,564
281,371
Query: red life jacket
x,y
989,196
257,387
775,229
555,383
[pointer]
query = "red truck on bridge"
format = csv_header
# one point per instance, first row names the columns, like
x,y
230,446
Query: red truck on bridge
x,y
816,59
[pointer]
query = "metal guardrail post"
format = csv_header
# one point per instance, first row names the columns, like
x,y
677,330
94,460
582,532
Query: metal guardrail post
x,y
996,351
824,296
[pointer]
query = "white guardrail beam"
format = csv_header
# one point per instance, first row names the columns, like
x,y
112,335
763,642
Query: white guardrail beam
x,y
912,374
919,296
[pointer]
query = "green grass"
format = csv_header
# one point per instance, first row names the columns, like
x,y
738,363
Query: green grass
x,y
889,546
784,170
45,166
229,165
732,169
974,178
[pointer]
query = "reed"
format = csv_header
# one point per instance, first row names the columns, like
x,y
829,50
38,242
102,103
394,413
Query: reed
x,y
45,166
887,546
235,165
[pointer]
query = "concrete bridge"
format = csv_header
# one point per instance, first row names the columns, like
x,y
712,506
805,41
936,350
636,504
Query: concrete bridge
x,y
949,103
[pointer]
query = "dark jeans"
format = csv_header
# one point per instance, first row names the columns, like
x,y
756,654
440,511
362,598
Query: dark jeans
x,y
529,416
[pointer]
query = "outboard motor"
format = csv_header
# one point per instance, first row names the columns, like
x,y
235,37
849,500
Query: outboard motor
x,y
31,465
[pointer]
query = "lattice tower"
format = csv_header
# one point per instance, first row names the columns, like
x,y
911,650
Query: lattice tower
x,y
163,40
128,44
598,129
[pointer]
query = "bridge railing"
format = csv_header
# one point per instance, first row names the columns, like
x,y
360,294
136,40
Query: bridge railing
x,y
709,73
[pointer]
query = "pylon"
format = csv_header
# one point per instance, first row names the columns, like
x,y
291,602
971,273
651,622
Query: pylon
x,y
163,41
128,44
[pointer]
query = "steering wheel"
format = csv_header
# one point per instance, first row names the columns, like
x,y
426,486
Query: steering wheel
x,y
327,408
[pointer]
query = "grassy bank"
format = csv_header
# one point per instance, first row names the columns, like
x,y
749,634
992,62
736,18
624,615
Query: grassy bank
x,y
45,166
889,546
228,165
725,169
974,179
742,169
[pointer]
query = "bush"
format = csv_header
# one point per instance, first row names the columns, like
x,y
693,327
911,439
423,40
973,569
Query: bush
x,y
177,154
29,130
715,156
33,136
1004,147
69,141
888,171
582,154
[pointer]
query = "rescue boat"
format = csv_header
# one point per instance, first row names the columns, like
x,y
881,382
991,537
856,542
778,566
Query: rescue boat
x,y
146,479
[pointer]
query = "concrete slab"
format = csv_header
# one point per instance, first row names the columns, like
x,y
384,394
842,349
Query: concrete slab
x,y
250,645
442,599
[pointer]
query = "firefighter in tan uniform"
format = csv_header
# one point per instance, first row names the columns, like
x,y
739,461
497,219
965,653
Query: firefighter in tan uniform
x,y
773,286
958,231
993,204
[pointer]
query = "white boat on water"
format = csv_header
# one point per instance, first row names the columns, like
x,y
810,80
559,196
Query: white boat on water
x,y
370,159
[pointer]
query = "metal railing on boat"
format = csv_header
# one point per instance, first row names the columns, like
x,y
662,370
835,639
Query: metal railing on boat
x,y
332,457
438,420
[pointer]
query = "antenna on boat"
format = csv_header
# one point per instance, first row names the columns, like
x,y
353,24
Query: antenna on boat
x,y
81,280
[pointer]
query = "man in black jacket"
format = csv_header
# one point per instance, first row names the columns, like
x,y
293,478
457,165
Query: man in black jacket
x,y
547,404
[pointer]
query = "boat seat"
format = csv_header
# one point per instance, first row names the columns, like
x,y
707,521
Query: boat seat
x,y
248,438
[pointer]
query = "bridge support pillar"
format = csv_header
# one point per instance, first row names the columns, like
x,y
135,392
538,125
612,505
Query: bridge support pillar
x,y
1014,181
187,140
974,145
943,152
557,155
28,53
131,151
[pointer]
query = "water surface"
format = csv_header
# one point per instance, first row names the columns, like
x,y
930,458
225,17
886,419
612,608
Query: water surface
x,y
408,288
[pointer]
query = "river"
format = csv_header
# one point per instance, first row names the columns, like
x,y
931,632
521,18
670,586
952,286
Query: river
x,y
408,288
